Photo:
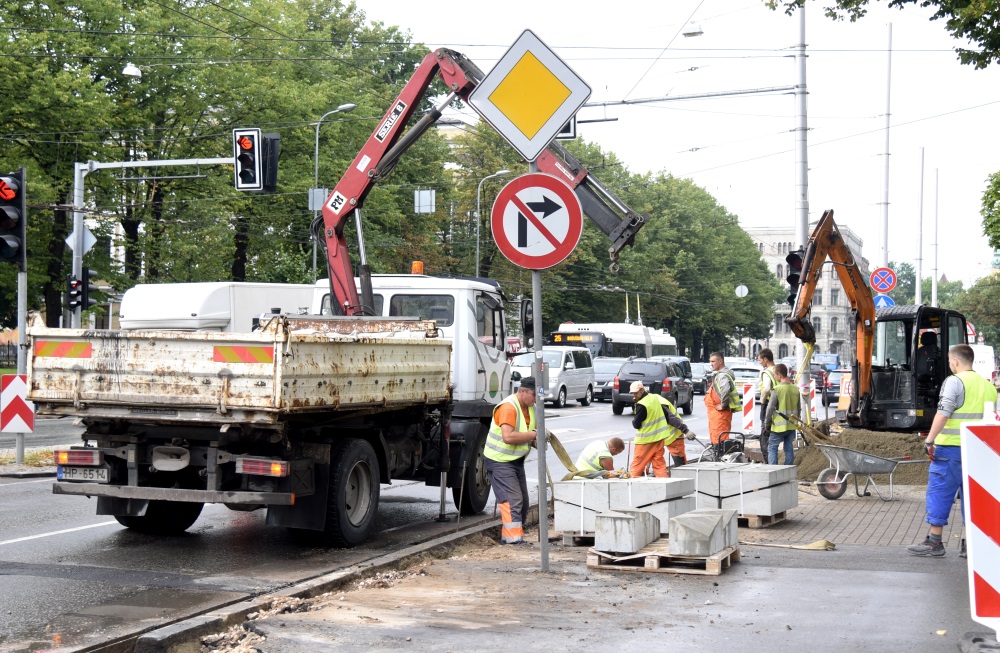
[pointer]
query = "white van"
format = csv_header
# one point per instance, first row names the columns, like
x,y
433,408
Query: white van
x,y
984,362
570,373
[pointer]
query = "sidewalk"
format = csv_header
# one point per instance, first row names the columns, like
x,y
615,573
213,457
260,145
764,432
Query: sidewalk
x,y
475,595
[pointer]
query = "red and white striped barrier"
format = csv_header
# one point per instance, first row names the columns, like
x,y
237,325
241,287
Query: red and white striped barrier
x,y
17,414
981,494
748,392
812,398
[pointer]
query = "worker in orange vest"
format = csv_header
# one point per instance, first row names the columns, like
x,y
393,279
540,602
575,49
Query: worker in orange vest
x,y
721,400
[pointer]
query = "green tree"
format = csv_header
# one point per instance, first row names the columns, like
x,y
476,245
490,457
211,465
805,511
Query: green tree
x,y
977,22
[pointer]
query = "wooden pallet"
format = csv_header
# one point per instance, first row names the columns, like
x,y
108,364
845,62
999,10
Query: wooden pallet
x,y
761,521
655,558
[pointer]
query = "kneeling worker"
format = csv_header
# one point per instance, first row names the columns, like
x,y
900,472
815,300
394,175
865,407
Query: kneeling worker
x,y
655,425
598,457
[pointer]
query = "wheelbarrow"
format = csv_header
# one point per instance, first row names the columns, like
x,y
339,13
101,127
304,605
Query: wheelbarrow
x,y
844,462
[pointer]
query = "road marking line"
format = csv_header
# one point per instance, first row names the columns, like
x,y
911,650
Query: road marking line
x,y
68,530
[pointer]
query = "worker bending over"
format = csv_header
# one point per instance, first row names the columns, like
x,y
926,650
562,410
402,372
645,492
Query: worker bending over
x,y
655,424
598,458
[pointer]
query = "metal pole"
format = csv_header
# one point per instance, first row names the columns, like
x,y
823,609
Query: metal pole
x,y
801,138
934,275
312,235
479,219
918,291
543,501
884,251
79,173
22,344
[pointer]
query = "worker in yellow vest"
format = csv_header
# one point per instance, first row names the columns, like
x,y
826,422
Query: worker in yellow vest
x,y
597,457
510,439
652,429
785,400
767,384
675,429
962,399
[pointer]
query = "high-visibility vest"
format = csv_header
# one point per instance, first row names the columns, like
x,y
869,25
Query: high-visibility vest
x,y
769,371
734,398
498,450
654,427
788,403
977,392
590,459
672,432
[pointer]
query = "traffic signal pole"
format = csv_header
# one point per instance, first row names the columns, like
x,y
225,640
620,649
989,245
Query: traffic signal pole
x,y
80,172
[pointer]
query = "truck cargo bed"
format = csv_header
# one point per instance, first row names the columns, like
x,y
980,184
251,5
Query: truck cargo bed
x,y
289,367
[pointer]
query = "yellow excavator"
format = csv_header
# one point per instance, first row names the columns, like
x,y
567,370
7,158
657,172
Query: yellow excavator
x,y
898,367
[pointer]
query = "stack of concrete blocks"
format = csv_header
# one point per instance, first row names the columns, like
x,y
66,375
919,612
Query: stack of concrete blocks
x,y
703,532
578,502
751,489
625,531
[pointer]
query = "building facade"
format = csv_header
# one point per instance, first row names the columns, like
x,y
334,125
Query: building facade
x,y
831,311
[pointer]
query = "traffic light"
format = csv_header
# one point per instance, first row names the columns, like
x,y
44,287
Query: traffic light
x,y
74,292
794,260
86,301
269,167
13,234
248,153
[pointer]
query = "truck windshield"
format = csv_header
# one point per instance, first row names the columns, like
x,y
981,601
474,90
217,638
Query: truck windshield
x,y
440,308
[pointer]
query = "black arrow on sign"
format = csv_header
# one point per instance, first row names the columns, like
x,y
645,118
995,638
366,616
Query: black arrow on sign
x,y
546,207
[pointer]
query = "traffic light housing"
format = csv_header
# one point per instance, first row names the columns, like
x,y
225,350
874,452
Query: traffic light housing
x,y
74,292
269,167
13,231
794,260
86,288
248,155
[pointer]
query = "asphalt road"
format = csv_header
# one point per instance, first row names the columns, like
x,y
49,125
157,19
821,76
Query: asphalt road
x,y
73,578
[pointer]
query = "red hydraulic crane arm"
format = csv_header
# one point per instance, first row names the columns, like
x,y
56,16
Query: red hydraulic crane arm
x,y
379,154
826,242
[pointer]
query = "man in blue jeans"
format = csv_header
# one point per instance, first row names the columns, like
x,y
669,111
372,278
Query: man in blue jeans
x,y
785,400
962,399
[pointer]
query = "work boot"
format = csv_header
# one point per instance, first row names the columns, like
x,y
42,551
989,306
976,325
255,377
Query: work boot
x,y
961,549
926,548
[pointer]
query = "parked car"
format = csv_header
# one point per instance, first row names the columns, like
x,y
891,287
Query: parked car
x,y
747,373
605,370
664,378
570,370
699,377
833,387
818,373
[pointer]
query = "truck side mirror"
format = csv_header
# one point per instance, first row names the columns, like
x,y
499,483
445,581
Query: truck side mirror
x,y
527,318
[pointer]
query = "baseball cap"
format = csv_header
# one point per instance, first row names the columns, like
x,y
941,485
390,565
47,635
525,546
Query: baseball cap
x,y
636,386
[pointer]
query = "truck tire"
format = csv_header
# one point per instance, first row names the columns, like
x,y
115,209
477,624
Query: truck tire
x,y
587,398
353,494
471,499
617,408
164,518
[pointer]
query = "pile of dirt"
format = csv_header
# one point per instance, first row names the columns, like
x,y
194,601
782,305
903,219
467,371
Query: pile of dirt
x,y
885,444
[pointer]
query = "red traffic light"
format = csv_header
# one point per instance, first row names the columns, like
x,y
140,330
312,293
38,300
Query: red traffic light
x,y
245,142
8,188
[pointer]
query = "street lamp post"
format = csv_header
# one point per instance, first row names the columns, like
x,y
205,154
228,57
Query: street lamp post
x,y
343,108
479,217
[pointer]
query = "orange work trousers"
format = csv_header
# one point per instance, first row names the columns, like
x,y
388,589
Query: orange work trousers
x,y
646,454
719,421
677,452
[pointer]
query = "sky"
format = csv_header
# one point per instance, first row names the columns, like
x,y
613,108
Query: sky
x,y
741,148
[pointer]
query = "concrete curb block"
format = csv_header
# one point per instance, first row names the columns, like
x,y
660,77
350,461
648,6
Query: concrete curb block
x,y
38,474
184,636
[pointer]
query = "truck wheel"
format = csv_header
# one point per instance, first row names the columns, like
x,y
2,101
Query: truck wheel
x,y
826,486
587,398
164,518
561,398
353,494
617,409
472,498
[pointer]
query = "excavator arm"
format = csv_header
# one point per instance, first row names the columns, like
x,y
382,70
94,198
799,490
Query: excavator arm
x,y
827,243
387,144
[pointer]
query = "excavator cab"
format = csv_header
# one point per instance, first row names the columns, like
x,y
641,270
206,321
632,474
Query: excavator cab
x,y
909,364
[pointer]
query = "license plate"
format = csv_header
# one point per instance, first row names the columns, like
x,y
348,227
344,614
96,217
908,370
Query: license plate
x,y
93,474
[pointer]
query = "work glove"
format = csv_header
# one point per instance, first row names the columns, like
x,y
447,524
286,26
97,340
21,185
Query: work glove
x,y
929,448
691,436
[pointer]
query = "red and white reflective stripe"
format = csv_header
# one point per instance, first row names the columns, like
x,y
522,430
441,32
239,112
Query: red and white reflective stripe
x,y
748,392
812,398
981,493
17,414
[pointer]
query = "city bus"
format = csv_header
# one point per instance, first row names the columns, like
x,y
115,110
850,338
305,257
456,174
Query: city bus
x,y
615,339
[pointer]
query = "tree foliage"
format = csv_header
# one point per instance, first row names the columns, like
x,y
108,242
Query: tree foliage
x,y
975,22
981,306
950,293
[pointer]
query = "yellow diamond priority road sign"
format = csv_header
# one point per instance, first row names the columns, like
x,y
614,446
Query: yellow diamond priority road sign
x,y
529,95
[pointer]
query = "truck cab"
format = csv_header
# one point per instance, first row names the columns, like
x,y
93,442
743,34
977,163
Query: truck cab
x,y
469,312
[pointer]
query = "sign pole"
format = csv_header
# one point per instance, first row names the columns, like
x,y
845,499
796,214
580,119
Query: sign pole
x,y
543,500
